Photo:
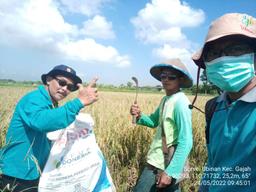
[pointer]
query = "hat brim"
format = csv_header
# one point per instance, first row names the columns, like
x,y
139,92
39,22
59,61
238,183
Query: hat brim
x,y
198,56
186,82
54,73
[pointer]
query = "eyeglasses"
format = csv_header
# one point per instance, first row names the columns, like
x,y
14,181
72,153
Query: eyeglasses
x,y
170,77
230,50
71,87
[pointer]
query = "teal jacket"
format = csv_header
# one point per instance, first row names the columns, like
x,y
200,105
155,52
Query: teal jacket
x,y
27,147
231,164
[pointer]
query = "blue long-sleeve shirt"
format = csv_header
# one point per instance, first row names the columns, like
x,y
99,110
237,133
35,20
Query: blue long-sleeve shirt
x,y
27,147
231,164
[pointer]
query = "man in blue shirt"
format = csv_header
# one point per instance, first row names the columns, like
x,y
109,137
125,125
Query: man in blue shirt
x,y
228,56
27,147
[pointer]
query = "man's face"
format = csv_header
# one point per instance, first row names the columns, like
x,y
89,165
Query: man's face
x,y
170,80
59,87
230,73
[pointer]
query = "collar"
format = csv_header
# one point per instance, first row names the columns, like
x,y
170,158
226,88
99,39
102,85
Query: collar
x,y
249,97
45,93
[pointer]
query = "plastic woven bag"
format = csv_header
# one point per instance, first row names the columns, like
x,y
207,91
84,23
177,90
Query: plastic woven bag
x,y
75,162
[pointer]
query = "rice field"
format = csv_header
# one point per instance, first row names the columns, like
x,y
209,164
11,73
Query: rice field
x,y
124,145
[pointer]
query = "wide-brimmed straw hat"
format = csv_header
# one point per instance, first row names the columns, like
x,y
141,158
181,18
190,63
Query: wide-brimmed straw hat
x,y
231,24
176,65
65,71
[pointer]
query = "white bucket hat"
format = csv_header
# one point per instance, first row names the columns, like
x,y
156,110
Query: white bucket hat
x,y
231,24
176,65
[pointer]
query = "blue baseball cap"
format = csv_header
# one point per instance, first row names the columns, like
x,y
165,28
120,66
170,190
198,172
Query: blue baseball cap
x,y
65,71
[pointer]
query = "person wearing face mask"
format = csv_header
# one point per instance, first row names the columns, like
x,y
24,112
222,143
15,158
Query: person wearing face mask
x,y
228,56
25,153
173,139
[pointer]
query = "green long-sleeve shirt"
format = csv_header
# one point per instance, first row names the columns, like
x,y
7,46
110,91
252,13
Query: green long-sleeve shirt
x,y
176,118
27,147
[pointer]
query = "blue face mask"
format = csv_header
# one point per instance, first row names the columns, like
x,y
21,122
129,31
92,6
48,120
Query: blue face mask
x,y
231,73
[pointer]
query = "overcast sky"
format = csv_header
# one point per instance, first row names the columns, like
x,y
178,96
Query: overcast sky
x,y
112,39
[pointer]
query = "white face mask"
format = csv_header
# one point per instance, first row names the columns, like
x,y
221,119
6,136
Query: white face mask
x,y
231,73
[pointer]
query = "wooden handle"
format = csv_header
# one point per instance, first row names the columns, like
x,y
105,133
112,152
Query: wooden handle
x,y
134,119
134,116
